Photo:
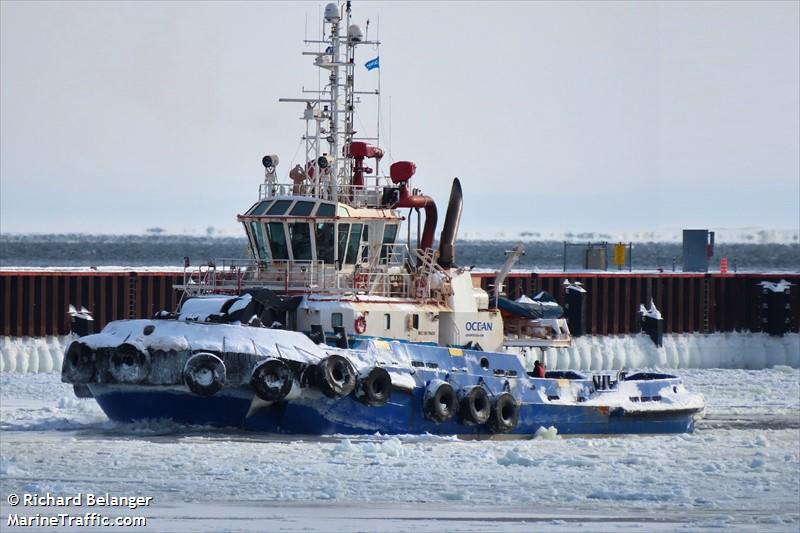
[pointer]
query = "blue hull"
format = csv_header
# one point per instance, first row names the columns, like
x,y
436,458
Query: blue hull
x,y
403,414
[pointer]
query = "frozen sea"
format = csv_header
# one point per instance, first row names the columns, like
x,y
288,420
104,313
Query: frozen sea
x,y
739,471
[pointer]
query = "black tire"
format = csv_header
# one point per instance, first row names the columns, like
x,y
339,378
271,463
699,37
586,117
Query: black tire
x,y
376,387
79,364
272,380
335,376
476,408
442,405
204,374
127,364
505,414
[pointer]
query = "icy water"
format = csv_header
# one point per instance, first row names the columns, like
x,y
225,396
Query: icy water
x,y
739,471
169,250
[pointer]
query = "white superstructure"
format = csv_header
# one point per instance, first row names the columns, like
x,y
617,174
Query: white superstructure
x,y
329,230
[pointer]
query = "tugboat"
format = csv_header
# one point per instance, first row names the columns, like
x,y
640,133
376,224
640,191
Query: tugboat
x,y
333,326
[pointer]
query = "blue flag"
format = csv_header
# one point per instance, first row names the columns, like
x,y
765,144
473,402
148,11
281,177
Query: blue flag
x,y
373,63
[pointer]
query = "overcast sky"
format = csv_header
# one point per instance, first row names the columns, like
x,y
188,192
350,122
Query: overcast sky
x,y
591,116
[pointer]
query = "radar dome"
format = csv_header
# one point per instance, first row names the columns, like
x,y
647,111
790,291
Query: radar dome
x,y
332,13
355,33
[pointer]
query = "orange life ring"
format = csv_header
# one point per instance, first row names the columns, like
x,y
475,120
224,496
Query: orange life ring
x,y
360,324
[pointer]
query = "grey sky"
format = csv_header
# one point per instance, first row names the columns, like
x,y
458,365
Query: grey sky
x,y
117,117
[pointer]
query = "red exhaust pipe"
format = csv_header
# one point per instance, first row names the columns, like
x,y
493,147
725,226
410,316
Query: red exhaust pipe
x,y
401,172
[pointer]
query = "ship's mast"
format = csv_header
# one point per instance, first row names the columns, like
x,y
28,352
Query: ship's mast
x,y
333,140
330,113
349,86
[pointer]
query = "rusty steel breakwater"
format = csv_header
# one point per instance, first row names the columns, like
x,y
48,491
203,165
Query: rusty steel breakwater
x,y
35,302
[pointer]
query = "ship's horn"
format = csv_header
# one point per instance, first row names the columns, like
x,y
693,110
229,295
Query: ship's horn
x,y
447,241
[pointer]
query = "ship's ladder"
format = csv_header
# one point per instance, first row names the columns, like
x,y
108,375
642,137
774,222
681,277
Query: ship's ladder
x,y
132,286
706,304
426,266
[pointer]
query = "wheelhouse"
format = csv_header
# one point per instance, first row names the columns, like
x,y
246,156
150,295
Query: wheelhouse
x,y
305,229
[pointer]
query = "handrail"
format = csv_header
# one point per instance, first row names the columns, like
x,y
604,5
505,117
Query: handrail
x,y
388,277
367,195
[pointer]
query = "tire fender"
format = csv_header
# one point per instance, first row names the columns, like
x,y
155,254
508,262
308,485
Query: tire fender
x,y
335,376
204,374
79,364
505,414
272,380
376,388
129,364
475,406
441,401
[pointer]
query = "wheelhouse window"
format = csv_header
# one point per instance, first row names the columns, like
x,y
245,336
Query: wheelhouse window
x,y
365,244
277,241
300,237
279,207
389,235
355,240
326,210
302,209
258,240
342,242
260,208
387,321
323,233
336,320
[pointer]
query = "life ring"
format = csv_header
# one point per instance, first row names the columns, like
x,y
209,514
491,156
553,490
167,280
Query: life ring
x,y
129,364
376,388
335,376
475,406
505,414
360,324
272,380
442,402
79,363
204,374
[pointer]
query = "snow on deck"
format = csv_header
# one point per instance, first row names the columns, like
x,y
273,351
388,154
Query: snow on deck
x,y
718,350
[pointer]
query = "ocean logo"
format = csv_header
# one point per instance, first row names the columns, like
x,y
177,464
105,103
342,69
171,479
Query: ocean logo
x,y
478,326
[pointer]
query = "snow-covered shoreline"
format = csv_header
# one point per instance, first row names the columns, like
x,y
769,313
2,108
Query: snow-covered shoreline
x,y
751,351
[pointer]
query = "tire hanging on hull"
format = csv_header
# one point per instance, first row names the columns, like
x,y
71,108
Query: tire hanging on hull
x,y
376,388
204,374
475,406
335,376
79,363
129,364
272,380
441,403
505,414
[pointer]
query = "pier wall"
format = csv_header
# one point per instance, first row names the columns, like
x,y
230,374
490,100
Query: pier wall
x,y
689,303
34,303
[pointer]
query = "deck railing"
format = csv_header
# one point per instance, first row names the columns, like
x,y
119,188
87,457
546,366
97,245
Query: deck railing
x,y
390,277
371,194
